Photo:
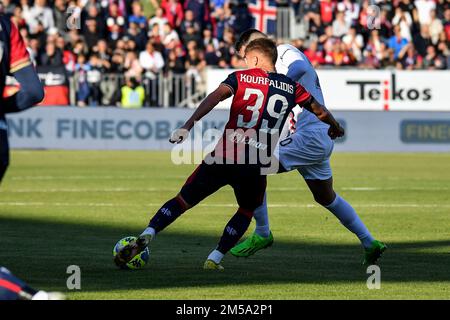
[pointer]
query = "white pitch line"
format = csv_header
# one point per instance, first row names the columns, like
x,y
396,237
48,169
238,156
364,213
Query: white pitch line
x,y
287,189
272,205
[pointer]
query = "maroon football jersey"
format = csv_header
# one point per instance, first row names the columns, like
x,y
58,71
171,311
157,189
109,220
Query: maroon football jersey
x,y
260,106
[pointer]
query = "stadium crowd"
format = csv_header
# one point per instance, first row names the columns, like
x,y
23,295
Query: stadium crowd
x,y
149,38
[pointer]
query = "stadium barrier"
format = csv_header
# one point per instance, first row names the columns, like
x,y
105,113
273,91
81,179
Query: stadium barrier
x,y
149,128
162,90
373,90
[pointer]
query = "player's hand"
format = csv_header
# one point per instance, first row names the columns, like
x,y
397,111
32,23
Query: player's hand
x,y
336,132
179,135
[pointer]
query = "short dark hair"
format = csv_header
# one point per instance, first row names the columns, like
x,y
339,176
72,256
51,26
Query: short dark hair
x,y
265,46
244,38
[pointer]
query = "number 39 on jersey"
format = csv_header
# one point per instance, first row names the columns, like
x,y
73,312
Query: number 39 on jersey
x,y
262,100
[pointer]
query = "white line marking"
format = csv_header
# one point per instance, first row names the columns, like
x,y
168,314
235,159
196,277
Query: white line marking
x,y
272,205
273,189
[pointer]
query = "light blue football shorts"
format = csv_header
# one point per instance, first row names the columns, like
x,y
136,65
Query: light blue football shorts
x,y
309,152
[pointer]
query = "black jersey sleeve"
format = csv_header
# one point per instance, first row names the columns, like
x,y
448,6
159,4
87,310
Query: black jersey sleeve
x,y
231,82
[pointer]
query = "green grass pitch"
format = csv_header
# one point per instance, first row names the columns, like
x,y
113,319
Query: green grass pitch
x,y
61,208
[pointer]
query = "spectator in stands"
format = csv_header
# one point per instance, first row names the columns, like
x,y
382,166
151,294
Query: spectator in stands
x,y
340,56
370,61
192,35
60,15
209,39
68,57
240,17
354,42
151,61
103,54
422,40
150,7
340,25
350,8
310,13
220,22
37,16
52,57
389,59
211,55
433,60
374,52
195,63
189,22
441,7
176,62
424,8
409,59
8,7
404,20
409,7
137,15
326,11
93,77
314,54
198,8
447,23
91,35
83,91
445,52
117,61
327,39
170,37
132,65
91,11
173,11
17,17
397,41
115,21
436,27
385,24
160,20
136,35
131,95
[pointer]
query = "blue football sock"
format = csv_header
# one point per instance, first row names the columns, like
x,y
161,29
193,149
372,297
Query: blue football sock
x,y
261,216
350,219
234,230
168,213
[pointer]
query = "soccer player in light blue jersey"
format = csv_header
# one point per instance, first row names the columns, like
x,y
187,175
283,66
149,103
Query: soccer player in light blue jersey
x,y
307,147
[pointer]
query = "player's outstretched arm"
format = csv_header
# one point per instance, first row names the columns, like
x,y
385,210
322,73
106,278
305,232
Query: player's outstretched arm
x,y
221,93
31,91
325,115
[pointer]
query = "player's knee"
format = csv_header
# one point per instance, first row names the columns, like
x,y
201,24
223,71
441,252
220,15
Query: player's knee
x,y
324,199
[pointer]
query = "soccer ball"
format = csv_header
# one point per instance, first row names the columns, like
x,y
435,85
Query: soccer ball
x,y
138,261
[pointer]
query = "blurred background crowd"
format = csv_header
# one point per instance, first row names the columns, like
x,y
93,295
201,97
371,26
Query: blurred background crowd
x,y
124,52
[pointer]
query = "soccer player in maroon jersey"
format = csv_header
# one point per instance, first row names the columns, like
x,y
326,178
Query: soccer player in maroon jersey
x,y
14,60
262,100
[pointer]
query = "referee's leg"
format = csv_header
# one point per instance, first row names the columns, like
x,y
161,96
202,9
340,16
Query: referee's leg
x,y
4,148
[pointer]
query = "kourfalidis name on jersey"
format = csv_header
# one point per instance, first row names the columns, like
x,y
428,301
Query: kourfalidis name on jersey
x,y
264,81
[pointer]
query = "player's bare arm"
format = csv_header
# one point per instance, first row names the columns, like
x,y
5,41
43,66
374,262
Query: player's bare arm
x,y
221,93
326,116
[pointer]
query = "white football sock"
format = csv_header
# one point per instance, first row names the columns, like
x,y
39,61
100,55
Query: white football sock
x,y
216,256
262,220
149,232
